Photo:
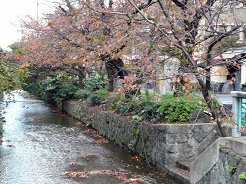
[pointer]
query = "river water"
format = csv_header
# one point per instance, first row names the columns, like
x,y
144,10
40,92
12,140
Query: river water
x,y
40,146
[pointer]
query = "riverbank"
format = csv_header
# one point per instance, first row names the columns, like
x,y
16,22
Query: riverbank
x,y
165,146
160,144
40,145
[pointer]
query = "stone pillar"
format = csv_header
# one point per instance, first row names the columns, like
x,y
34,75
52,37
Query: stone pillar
x,y
241,34
236,99
234,106
243,74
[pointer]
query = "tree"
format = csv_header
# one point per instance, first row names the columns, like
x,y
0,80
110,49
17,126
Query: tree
x,y
9,74
188,31
76,39
185,28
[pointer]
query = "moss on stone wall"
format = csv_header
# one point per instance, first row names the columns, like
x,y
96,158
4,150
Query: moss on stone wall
x,y
150,141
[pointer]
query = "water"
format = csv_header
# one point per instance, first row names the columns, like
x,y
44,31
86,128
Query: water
x,y
40,147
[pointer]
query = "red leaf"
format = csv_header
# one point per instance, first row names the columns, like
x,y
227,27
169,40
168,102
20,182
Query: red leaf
x,y
200,102
178,80
134,181
100,141
186,79
136,158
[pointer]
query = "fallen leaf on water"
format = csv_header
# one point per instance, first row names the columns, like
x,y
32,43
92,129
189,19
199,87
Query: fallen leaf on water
x,y
88,156
134,181
121,176
96,135
76,174
90,131
80,124
5,140
54,111
100,141
136,158
10,145
114,173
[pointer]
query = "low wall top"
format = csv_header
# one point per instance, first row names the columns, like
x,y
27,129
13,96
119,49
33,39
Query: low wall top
x,y
238,94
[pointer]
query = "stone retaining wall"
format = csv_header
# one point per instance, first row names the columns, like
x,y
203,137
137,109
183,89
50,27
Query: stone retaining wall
x,y
159,144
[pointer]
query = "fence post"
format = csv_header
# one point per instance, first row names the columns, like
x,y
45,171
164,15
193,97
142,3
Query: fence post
x,y
236,113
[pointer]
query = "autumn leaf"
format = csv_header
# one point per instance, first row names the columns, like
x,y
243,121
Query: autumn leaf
x,y
136,158
186,79
79,124
114,173
178,80
187,98
89,156
10,145
96,135
100,141
51,23
54,111
134,181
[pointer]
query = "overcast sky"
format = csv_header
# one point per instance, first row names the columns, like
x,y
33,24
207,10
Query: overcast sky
x,y
10,13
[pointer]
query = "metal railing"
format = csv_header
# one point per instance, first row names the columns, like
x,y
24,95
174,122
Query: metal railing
x,y
239,110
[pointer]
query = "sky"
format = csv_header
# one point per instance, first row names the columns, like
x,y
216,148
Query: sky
x,y
12,11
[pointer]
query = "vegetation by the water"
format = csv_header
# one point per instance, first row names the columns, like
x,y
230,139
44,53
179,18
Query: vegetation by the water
x,y
9,74
144,106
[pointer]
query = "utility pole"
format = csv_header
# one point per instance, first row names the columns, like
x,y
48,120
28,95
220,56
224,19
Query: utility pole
x,y
37,10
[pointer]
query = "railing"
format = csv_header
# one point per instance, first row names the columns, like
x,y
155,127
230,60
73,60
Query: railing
x,y
239,110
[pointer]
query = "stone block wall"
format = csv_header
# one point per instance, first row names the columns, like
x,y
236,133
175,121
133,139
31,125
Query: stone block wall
x,y
159,144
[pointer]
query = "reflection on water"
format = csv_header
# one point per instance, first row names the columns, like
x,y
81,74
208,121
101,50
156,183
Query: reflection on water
x,y
38,147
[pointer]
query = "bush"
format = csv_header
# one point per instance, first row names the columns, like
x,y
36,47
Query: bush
x,y
97,97
177,109
95,92
96,81
54,90
82,94
168,109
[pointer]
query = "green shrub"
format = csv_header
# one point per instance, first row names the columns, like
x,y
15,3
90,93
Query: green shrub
x,y
96,81
96,97
242,175
177,109
95,92
82,94
231,169
53,89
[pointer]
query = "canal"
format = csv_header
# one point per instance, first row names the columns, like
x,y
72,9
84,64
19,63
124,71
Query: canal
x,y
43,146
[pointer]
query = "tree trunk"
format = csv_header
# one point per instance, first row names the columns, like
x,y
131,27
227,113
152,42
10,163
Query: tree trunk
x,y
81,75
215,115
112,77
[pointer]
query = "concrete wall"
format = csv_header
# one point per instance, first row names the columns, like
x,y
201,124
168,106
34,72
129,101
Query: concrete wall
x,y
159,144
219,173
